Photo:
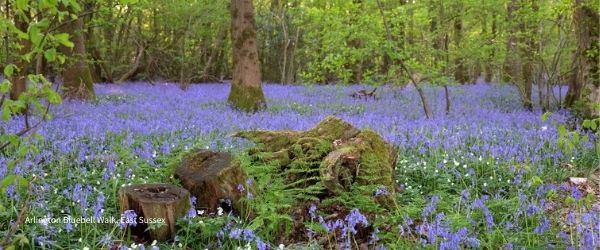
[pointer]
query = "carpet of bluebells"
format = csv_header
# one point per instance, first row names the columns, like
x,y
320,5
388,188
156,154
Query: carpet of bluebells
x,y
487,175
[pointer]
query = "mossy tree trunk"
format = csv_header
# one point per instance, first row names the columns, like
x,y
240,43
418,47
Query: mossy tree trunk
x,y
585,82
246,92
77,78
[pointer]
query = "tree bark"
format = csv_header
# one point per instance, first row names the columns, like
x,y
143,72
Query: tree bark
x,y
489,69
77,79
528,51
154,202
585,83
460,73
246,91
19,78
512,64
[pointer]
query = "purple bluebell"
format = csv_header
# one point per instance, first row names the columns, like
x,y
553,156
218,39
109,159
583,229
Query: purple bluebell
x,y
355,218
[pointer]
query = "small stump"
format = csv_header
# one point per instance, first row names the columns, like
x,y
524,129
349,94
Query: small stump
x,y
213,178
155,203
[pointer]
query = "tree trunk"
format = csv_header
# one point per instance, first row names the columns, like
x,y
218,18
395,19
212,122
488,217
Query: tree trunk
x,y
246,91
459,72
77,79
412,76
528,51
19,78
489,74
585,83
512,65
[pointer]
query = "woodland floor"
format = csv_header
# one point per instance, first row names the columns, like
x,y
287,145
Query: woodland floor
x,y
487,175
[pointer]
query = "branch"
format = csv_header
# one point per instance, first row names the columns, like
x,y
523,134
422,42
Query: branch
x,y
20,217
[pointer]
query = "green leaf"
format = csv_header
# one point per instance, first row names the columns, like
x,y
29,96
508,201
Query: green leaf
x,y
124,2
50,55
562,130
13,179
545,116
35,35
54,97
5,112
21,240
63,38
4,86
9,70
48,4
21,4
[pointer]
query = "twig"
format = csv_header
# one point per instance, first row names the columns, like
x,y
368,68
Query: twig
x,y
27,129
20,217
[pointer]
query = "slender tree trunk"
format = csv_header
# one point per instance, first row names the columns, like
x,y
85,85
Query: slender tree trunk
x,y
512,65
585,84
489,69
77,79
19,78
246,91
528,67
460,73
411,75
214,53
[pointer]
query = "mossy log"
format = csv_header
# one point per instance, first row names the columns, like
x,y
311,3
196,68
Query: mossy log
x,y
213,178
339,154
160,203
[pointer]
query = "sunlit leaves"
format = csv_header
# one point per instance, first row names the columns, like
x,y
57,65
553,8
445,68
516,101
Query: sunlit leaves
x,y
21,4
50,55
9,70
4,86
63,39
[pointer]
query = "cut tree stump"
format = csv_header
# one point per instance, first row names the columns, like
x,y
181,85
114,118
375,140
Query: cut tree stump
x,y
213,178
155,203
333,154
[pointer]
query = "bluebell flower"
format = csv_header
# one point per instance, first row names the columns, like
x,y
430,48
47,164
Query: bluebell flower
x,y
248,235
355,218
543,226
261,245
431,207
381,191
236,234
240,188
312,211
128,218
98,207
575,193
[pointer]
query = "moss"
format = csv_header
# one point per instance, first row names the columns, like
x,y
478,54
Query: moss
x,y
378,159
333,128
337,172
246,98
333,157
271,140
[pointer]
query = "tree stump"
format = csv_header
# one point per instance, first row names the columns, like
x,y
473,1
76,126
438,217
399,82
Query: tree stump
x,y
333,155
213,178
155,203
